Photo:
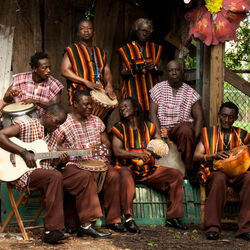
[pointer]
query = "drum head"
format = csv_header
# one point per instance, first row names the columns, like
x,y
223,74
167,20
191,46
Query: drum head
x,y
17,107
100,96
93,165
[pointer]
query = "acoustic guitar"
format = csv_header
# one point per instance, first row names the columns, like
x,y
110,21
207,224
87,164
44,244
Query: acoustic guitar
x,y
12,166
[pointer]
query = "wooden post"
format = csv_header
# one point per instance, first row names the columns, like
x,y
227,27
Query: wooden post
x,y
216,82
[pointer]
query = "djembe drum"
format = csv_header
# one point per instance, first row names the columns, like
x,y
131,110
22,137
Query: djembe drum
x,y
98,169
237,163
18,111
102,103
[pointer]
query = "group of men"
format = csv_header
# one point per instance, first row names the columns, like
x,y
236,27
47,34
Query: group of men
x,y
175,113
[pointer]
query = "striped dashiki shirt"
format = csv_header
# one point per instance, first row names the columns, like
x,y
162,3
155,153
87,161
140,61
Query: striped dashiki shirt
x,y
172,109
211,139
86,65
133,142
138,86
44,92
31,130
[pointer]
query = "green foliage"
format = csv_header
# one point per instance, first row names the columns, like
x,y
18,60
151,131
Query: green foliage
x,y
237,56
152,245
177,235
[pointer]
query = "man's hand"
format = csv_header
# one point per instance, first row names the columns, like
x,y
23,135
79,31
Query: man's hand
x,y
221,155
13,93
148,66
29,101
110,92
92,85
64,157
29,159
143,155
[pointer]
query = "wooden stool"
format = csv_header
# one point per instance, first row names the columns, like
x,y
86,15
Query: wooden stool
x,y
232,196
23,198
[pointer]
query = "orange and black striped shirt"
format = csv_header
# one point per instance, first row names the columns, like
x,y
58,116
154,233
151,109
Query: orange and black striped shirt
x,y
89,66
133,142
212,141
138,86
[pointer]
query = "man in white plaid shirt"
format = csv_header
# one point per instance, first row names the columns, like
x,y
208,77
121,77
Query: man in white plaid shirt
x,y
175,109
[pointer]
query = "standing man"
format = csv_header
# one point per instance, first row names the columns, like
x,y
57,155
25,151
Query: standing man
x,y
176,106
37,87
46,178
130,139
215,143
140,61
82,130
84,65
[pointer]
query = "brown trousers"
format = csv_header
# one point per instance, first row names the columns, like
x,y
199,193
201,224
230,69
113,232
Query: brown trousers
x,y
217,184
50,182
164,179
112,201
183,136
81,202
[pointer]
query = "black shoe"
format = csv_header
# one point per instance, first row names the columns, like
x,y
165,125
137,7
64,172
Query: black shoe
x,y
91,231
53,237
132,227
72,230
212,235
176,223
117,227
244,236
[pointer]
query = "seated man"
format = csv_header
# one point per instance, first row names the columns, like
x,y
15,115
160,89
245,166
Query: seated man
x,y
82,130
176,106
46,178
130,138
214,145
37,87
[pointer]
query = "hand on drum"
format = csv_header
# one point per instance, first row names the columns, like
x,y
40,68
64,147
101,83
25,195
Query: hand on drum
x,y
221,155
92,85
14,93
149,66
110,92
29,101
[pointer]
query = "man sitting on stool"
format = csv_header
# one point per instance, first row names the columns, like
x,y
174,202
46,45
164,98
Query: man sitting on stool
x,y
130,138
214,145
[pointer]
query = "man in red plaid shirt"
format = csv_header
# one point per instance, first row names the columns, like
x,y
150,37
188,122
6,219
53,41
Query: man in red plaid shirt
x,y
175,109
46,178
83,130
37,87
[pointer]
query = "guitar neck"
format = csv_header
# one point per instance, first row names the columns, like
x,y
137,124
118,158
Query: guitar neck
x,y
56,154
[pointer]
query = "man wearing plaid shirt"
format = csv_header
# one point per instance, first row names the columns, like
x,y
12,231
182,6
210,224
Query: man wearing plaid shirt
x,y
176,106
83,130
37,87
46,178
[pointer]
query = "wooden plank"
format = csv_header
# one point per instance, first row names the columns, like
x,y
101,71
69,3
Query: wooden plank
x,y
58,33
206,80
106,19
28,36
237,81
216,81
7,27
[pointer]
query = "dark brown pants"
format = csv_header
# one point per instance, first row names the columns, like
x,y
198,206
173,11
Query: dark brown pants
x,y
81,202
217,184
183,136
50,182
112,201
164,179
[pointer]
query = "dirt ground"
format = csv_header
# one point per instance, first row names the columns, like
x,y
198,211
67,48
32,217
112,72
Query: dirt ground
x,y
151,237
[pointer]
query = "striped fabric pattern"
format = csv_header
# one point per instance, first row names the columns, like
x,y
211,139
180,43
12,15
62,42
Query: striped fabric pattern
x,y
172,109
31,130
133,142
45,91
84,65
210,138
138,86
